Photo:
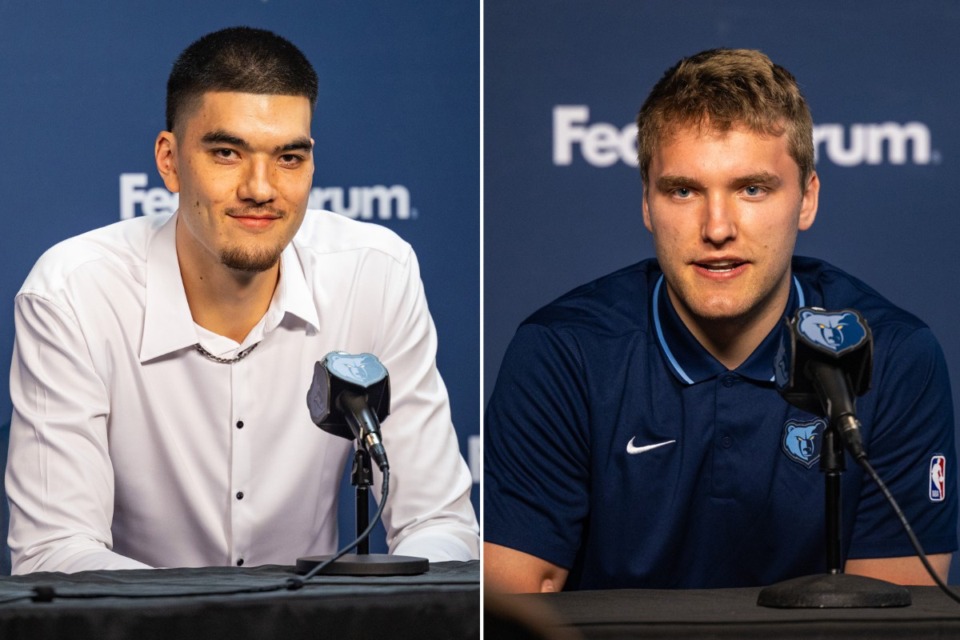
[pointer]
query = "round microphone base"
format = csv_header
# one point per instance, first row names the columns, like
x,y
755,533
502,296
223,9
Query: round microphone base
x,y
833,591
370,564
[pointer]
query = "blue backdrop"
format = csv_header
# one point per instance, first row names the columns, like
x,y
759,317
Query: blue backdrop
x,y
397,124
564,80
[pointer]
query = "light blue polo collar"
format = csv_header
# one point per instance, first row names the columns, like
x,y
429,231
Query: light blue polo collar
x,y
687,358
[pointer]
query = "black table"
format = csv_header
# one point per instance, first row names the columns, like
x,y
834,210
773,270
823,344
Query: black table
x,y
732,613
236,603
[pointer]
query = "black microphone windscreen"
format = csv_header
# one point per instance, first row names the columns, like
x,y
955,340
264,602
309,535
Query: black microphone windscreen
x,y
840,338
362,374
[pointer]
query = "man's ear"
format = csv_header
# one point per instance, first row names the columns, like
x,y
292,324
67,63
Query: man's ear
x,y
646,211
165,152
808,206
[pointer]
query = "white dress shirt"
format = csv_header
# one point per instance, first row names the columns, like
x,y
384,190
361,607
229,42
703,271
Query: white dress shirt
x,y
129,448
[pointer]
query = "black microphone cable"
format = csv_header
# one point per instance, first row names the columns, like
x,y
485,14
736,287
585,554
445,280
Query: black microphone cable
x,y
296,583
863,462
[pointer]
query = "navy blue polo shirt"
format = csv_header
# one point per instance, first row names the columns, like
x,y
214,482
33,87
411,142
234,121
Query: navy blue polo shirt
x,y
618,448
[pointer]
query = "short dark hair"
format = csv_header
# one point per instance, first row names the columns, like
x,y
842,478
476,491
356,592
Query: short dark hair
x,y
723,88
239,59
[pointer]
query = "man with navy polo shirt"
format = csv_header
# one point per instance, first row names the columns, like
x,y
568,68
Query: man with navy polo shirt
x,y
635,437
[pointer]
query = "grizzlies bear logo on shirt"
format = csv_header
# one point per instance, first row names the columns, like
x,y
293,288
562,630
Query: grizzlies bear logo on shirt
x,y
801,441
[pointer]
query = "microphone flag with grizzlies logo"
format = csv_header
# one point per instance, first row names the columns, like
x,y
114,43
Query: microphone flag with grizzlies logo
x,y
838,331
839,337
338,371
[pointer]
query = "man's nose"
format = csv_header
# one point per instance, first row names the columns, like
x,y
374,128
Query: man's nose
x,y
719,223
257,184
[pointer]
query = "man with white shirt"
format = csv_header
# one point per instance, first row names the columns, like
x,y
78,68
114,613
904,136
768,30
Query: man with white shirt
x,y
161,364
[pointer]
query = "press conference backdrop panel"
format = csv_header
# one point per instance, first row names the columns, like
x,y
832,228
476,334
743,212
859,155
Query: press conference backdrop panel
x,y
397,127
562,194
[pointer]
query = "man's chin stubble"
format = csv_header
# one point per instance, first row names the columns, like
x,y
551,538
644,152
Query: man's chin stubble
x,y
248,262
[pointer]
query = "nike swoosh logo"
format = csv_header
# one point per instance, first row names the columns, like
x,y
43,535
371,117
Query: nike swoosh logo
x,y
633,450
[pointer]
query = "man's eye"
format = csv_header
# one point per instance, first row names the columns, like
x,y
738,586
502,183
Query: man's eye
x,y
682,192
226,154
754,190
291,159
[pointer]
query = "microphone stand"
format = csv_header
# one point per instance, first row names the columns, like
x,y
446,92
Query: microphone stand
x,y
834,589
361,477
364,563
832,465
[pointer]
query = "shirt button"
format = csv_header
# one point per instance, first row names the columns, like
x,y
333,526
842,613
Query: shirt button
x,y
240,562
239,495
729,380
726,442
239,424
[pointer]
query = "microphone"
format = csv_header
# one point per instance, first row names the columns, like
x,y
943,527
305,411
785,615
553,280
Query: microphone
x,y
349,396
826,360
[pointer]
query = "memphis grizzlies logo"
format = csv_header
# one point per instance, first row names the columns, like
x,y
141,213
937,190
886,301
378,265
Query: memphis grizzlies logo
x,y
802,441
361,369
837,331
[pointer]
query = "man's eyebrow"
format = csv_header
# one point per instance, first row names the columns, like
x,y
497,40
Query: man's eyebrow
x,y
669,183
223,137
762,177
300,144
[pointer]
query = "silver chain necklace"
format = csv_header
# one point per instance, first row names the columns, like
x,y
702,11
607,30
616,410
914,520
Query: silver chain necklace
x,y
240,356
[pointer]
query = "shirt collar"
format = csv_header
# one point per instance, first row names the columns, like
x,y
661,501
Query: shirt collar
x,y
168,325
293,295
687,358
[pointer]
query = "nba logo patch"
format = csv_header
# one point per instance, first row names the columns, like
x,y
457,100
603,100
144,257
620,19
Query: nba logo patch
x,y
938,478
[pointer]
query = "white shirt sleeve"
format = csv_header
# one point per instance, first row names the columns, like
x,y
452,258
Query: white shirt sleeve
x,y
59,477
428,513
